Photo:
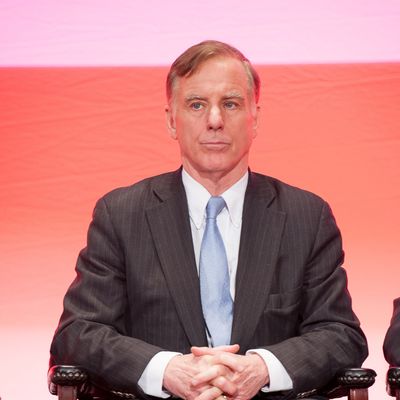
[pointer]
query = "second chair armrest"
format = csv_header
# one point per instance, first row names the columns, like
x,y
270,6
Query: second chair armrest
x,y
350,379
393,380
345,381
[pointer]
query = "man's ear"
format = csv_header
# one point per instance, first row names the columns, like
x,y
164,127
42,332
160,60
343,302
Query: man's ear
x,y
255,120
170,122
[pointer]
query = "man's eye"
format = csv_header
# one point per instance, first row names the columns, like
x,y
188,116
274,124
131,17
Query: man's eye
x,y
196,106
230,105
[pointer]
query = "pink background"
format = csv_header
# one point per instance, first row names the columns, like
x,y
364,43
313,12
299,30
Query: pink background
x,y
81,91
154,32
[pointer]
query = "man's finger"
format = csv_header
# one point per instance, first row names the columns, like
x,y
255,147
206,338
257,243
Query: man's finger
x,y
232,361
201,351
225,385
208,375
221,382
210,394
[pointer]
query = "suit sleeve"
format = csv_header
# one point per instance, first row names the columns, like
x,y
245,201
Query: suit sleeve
x,y
92,331
329,336
391,345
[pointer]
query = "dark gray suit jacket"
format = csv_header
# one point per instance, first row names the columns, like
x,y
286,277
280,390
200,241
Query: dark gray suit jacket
x,y
137,287
391,345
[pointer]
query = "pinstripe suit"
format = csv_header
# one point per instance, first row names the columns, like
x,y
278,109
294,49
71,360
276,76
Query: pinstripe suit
x,y
391,346
137,288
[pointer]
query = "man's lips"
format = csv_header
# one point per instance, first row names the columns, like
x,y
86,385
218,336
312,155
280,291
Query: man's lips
x,y
215,144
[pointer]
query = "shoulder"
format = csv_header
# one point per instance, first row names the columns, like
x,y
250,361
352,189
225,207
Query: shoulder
x,y
284,193
142,193
301,207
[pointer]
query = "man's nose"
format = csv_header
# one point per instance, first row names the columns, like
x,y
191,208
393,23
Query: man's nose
x,y
215,120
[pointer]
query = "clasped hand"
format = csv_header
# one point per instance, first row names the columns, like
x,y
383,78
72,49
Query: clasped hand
x,y
208,373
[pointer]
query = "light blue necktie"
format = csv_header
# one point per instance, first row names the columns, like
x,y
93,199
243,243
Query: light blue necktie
x,y
216,299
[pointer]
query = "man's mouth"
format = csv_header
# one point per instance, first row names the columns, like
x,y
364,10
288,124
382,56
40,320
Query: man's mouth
x,y
215,145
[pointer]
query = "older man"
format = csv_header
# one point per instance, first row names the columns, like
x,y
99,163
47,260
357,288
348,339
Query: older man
x,y
211,280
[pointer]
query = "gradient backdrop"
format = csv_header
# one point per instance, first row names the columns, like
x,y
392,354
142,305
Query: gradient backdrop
x,y
82,99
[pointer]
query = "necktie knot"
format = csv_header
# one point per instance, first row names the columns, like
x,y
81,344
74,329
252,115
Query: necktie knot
x,y
214,206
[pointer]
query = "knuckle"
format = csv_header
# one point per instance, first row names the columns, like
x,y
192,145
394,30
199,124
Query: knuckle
x,y
219,381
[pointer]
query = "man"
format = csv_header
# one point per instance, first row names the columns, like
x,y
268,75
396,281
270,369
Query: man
x,y
141,314
391,345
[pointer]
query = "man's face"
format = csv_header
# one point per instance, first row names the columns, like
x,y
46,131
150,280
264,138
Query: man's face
x,y
213,115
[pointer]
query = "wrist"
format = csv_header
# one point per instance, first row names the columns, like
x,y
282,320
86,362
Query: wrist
x,y
169,373
261,368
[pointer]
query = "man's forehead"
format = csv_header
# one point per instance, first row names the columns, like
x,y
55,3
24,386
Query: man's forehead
x,y
215,77
228,64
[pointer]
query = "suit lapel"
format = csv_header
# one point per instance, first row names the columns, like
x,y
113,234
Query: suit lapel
x,y
170,227
261,234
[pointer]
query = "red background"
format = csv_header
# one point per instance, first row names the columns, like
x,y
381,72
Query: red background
x,y
68,135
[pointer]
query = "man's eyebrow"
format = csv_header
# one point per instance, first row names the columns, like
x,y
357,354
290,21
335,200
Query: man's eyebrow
x,y
191,97
233,95
228,96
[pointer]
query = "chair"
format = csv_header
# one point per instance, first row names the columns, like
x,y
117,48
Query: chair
x,y
73,382
393,382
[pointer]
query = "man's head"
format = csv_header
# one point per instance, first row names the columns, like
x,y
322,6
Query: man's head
x,y
192,58
212,112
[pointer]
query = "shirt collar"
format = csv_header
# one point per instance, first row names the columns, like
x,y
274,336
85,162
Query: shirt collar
x,y
197,196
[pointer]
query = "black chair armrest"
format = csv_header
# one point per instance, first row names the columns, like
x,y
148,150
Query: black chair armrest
x,y
393,381
71,382
67,381
348,382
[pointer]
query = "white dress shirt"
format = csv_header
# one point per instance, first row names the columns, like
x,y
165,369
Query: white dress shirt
x,y
229,223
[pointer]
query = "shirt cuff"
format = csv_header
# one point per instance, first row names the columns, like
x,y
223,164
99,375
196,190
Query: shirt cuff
x,y
279,379
151,380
